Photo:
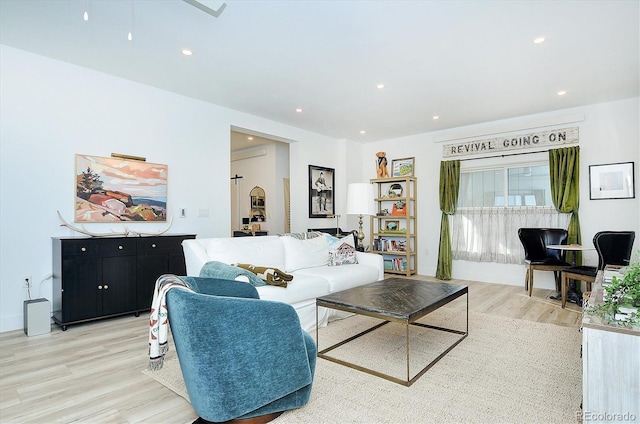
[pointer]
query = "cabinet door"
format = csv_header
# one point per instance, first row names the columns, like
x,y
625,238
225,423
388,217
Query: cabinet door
x,y
150,267
81,298
118,285
157,256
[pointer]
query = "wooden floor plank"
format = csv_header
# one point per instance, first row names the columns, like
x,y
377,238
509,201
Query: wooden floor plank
x,y
92,373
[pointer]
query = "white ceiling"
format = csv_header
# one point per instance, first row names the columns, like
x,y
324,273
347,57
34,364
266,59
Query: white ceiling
x,y
466,61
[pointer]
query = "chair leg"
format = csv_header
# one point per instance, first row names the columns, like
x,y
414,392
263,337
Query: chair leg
x,y
530,282
526,279
565,283
556,276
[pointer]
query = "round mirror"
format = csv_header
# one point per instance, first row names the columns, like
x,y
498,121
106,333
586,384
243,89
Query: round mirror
x,y
395,190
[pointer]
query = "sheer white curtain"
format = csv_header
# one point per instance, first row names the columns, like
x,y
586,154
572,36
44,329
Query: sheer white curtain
x,y
490,234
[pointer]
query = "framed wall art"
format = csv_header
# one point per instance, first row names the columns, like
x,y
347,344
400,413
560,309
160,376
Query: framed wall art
x,y
392,225
119,190
321,193
612,181
402,167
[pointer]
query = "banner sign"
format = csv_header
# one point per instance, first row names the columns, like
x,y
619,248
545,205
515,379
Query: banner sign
x,y
512,143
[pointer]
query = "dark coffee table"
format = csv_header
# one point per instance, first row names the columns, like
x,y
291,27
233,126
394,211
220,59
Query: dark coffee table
x,y
399,300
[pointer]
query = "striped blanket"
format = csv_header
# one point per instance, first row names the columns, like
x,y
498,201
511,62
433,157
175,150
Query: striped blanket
x,y
159,320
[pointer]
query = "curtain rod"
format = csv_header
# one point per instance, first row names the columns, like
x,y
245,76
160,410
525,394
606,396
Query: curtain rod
x,y
510,154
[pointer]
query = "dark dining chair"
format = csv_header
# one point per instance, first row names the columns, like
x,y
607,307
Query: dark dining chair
x,y
613,247
538,257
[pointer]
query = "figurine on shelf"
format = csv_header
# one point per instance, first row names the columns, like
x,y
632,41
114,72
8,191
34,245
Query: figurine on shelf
x,y
382,170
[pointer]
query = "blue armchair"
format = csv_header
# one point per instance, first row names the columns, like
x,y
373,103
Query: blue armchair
x,y
241,357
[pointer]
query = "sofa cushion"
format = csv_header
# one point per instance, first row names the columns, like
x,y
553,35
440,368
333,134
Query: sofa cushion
x,y
305,253
262,251
301,288
342,251
342,277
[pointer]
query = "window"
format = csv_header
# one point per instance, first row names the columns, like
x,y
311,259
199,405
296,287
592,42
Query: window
x,y
521,186
493,203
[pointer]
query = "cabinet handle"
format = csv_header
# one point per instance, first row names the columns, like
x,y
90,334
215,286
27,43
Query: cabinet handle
x,y
84,249
99,287
120,247
153,245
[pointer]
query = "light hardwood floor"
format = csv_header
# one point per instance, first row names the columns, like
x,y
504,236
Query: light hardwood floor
x,y
92,373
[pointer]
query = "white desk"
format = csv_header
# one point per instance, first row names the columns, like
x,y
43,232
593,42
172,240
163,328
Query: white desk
x,y
574,249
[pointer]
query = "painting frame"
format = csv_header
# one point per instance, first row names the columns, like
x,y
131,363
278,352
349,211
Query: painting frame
x,y
392,225
403,167
321,192
612,181
119,190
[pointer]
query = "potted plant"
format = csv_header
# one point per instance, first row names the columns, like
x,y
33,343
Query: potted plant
x,y
621,298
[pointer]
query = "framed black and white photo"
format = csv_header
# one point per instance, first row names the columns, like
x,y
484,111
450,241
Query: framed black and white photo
x,y
612,181
321,193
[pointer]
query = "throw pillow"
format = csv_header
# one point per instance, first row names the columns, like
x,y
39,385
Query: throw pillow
x,y
216,269
272,276
303,236
342,251
308,253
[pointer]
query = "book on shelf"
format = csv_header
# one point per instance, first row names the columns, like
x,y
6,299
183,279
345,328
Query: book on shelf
x,y
389,245
395,264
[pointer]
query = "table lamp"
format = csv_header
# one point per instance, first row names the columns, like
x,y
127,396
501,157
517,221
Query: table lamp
x,y
360,202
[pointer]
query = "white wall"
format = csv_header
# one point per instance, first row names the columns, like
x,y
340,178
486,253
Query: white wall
x,y
609,133
52,110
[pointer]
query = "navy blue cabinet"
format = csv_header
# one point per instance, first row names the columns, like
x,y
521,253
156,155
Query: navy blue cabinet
x,y
96,278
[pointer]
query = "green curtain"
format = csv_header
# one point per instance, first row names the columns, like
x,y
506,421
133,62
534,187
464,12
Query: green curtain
x,y
564,170
449,186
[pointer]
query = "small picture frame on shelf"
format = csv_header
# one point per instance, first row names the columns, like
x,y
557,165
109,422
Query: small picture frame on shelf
x,y
402,167
392,225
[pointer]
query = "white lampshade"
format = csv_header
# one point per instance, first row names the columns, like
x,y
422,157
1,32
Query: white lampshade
x,y
360,199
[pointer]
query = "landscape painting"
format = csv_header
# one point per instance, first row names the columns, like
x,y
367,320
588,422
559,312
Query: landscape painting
x,y
117,190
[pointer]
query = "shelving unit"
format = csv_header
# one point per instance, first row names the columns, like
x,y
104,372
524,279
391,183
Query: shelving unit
x,y
394,228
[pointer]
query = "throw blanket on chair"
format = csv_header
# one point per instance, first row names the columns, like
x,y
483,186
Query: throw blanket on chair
x,y
273,276
220,270
158,319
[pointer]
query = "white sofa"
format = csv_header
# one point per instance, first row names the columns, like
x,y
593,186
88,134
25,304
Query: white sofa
x,y
306,260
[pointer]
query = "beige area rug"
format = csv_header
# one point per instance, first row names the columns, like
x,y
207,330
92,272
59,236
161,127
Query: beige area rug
x,y
505,371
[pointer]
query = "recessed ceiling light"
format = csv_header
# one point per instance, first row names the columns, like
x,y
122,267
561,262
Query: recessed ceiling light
x,y
380,86
299,110
187,52
362,132
562,93
250,138
436,117
539,40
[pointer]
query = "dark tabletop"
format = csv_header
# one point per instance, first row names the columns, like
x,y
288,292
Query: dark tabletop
x,y
394,298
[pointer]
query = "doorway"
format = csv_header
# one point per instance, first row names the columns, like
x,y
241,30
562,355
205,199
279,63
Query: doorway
x,y
257,160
